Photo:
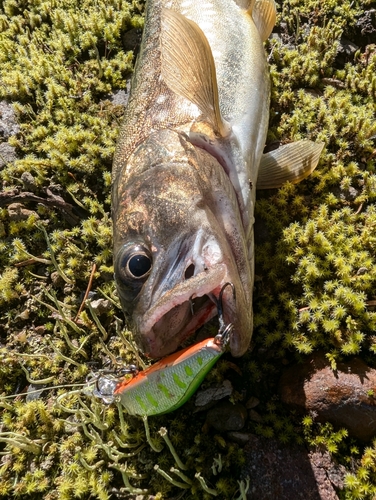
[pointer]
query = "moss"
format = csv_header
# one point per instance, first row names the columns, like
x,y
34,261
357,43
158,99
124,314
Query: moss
x,y
315,287
59,62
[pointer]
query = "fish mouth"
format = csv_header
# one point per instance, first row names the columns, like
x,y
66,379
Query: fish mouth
x,y
180,312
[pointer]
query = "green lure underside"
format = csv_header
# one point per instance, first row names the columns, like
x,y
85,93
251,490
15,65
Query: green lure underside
x,y
169,384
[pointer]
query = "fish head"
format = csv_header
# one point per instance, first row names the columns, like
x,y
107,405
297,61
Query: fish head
x,y
172,252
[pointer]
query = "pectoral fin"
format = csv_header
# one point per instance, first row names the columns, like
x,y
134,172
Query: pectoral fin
x,y
187,66
292,162
264,14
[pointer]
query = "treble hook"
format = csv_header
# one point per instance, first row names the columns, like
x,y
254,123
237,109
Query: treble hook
x,y
224,331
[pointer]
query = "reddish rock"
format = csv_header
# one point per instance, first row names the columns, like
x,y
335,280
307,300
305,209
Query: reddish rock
x,y
346,397
328,474
279,472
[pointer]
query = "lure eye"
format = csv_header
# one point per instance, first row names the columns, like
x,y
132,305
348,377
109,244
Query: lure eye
x,y
134,262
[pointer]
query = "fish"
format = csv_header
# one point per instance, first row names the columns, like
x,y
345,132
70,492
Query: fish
x,y
188,161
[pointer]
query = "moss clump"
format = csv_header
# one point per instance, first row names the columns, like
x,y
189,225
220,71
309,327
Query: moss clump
x,y
362,483
332,256
58,62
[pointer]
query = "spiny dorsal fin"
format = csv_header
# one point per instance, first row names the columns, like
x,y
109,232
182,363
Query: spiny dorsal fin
x,y
292,162
188,68
264,15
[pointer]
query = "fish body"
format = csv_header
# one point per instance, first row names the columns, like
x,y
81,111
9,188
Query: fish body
x,y
186,168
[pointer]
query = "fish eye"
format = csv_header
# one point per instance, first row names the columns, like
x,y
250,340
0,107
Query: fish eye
x,y
134,262
138,265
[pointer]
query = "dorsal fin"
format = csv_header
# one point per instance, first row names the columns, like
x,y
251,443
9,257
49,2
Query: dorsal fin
x,y
246,5
187,67
292,162
264,15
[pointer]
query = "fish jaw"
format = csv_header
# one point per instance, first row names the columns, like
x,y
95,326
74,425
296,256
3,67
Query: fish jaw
x,y
173,318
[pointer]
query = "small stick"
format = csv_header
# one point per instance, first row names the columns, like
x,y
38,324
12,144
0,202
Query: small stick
x,y
359,209
93,269
304,309
30,262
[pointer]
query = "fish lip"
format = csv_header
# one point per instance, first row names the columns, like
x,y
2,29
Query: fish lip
x,y
208,282
155,347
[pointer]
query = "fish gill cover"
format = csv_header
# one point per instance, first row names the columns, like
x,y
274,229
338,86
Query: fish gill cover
x,y
63,67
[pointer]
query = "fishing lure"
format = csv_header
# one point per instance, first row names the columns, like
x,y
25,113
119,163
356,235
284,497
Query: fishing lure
x,y
170,382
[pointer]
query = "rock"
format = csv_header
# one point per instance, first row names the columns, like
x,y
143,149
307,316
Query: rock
x,y
8,123
256,417
28,181
67,289
367,23
361,271
290,472
92,296
346,194
327,473
34,392
17,212
252,402
57,280
204,397
347,47
7,154
120,98
54,190
349,194
346,397
345,53
40,330
226,416
241,438
101,306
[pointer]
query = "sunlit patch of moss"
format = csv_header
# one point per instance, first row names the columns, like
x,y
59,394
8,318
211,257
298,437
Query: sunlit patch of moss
x,y
295,12
361,483
324,436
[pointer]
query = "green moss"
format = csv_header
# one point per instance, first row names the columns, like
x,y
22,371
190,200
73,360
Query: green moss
x,y
332,259
316,282
361,484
